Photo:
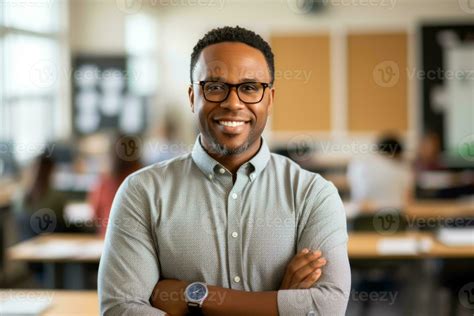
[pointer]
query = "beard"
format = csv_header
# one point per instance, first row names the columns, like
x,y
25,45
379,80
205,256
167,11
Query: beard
x,y
223,150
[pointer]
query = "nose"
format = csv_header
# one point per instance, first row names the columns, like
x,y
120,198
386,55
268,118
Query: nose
x,y
232,102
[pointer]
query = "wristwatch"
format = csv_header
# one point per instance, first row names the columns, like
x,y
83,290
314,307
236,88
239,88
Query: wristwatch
x,y
195,294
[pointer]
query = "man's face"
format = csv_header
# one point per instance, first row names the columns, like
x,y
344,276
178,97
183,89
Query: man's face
x,y
233,63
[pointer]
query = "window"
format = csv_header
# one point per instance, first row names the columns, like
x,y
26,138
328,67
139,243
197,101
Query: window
x,y
30,46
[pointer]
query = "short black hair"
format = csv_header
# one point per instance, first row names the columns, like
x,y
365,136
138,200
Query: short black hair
x,y
234,34
390,145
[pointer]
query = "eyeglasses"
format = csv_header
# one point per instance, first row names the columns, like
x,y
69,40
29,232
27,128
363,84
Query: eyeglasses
x,y
248,92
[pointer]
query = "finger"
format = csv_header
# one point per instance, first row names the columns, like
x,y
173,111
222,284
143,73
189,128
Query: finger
x,y
310,279
300,261
287,277
306,270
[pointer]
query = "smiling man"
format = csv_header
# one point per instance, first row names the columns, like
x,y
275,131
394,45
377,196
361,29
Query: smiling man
x,y
230,228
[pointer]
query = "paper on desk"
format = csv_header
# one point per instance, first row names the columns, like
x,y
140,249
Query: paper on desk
x,y
456,236
398,246
24,307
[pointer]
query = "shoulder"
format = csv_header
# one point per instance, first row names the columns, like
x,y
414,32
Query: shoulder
x,y
304,179
148,176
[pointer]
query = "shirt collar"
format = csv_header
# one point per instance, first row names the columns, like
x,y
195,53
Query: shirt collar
x,y
207,164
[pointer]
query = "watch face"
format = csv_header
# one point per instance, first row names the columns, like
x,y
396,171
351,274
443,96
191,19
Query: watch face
x,y
196,291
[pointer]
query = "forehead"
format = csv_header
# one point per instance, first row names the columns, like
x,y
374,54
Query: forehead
x,y
232,62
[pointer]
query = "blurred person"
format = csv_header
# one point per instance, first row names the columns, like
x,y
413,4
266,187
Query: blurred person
x,y
231,227
429,153
381,179
166,145
102,194
35,208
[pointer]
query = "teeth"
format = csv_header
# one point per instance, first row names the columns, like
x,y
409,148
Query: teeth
x,y
231,123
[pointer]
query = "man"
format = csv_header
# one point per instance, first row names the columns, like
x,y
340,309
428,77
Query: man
x,y
249,225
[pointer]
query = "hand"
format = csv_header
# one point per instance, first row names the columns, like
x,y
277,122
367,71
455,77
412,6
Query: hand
x,y
303,270
168,295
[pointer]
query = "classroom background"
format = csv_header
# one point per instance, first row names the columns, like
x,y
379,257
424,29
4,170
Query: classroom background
x,y
375,95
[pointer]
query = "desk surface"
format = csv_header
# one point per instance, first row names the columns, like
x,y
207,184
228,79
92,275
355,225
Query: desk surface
x,y
58,248
440,209
63,303
88,248
367,246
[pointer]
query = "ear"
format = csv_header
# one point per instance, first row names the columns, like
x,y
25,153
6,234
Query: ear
x,y
191,97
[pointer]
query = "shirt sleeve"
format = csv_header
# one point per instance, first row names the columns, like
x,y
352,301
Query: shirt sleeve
x,y
128,269
324,228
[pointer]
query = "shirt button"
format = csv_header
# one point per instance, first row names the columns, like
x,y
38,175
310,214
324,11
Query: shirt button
x,y
237,279
252,176
222,170
235,234
234,196
211,176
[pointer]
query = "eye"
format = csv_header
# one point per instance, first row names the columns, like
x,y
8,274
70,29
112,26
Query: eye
x,y
250,87
214,86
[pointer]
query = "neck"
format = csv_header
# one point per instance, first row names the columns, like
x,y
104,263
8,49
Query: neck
x,y
233,162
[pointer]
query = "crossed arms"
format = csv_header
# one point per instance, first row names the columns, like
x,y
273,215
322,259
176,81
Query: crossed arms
x,y
130,283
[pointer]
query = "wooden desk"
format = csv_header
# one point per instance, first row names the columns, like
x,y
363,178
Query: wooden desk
x,y
440,208
69,248
365,246
63,303
64,257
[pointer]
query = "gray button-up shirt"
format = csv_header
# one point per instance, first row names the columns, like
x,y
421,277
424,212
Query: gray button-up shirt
x,y
186,219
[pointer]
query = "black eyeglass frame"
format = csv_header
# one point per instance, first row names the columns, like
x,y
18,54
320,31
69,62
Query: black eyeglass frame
x,y
231,85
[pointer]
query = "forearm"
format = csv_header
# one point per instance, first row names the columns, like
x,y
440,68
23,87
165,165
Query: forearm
x,y
168,295
233,303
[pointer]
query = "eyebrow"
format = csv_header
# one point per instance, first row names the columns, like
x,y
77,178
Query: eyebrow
x,y
222,79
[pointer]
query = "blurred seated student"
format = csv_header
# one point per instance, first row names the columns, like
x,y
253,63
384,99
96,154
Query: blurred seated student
x,y
429,153
40,199
102,195
166,144
381,179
